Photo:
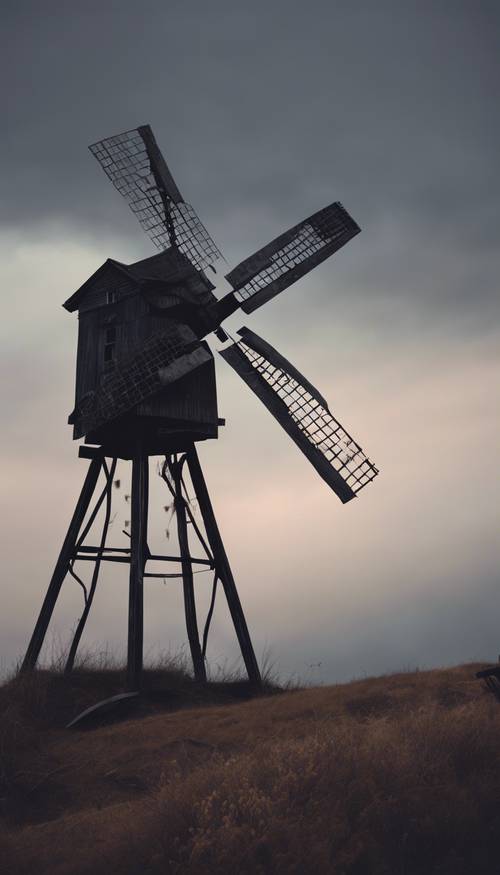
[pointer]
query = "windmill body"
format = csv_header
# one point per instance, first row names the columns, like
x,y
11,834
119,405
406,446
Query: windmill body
x,y
145,386
124,310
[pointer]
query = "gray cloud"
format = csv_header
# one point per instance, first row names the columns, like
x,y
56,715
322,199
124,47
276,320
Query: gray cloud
x,y
265,114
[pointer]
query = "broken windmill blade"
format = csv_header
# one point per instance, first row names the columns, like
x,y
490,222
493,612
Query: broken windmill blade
x,y
303,413
288,257
138,170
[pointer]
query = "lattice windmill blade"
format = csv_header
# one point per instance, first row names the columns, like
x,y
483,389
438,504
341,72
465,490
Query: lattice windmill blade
x,y
290,256
303,413
137,169
164,358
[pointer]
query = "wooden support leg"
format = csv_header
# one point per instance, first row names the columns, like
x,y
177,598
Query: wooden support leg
x,y
222,567
93,584
187,576
61,568
138,551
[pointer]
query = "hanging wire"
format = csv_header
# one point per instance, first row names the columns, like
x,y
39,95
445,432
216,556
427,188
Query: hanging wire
x,y
188,506
79,580
97,563
209,616
166,475
89,525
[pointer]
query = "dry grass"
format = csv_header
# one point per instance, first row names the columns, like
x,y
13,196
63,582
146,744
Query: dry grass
x,y
399,774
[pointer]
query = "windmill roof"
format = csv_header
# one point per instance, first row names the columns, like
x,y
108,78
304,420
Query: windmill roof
x,y
170,265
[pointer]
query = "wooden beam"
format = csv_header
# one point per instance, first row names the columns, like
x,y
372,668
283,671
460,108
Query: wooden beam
x,y
95,558
138,548
61,568
90,557
87,452
155,558
90,597
187,575
90,549
164,575
222,567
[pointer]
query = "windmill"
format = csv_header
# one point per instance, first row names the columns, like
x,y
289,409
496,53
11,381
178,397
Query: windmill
x,y
145,386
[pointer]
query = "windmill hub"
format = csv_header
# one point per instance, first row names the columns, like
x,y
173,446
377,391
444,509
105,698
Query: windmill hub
x,y
145,385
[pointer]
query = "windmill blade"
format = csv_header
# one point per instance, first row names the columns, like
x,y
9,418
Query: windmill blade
x,y
137,169
163,359
303,413
284,260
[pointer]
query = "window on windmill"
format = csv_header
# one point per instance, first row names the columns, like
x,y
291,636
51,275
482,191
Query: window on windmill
x,y
110,296
110,344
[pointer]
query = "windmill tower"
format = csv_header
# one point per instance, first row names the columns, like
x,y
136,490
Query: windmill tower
x,y
145,386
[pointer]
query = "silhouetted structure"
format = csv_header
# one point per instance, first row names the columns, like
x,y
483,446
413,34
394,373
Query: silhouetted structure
x,y
145,385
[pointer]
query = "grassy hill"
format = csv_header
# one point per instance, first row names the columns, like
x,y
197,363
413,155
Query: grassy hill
x,y
396,774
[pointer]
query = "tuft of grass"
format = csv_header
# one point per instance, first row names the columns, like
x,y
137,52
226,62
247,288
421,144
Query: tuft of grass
x,y
34,704
415,794
382,776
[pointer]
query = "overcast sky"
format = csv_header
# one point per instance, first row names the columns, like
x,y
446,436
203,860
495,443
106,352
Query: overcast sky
x,y
265,112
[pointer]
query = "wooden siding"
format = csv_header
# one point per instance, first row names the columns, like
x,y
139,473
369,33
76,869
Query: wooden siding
x,y
184,411
134,324
192,399
110,279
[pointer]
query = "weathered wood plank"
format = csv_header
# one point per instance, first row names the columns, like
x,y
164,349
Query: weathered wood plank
x,y
95,575
187,575
90,556
138,553
86,452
